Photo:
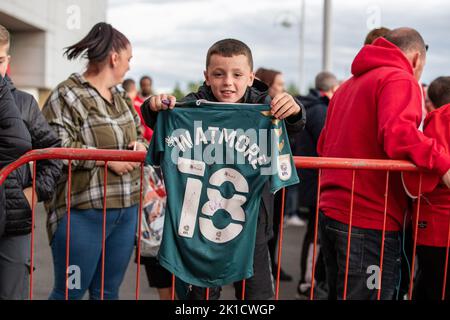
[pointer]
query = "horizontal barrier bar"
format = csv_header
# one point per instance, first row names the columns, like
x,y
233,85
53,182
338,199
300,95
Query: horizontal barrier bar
x,y
357,164
73,154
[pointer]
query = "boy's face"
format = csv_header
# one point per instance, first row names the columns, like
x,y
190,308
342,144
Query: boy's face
x,y
229,77
4,59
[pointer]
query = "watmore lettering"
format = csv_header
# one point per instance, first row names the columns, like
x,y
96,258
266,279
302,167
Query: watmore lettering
x,y
208,145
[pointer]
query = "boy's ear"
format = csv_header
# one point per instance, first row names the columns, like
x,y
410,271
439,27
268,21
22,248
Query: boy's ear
x,y
251,79
205,73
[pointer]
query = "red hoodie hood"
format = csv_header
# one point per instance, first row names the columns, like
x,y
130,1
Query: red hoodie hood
x,y
381,53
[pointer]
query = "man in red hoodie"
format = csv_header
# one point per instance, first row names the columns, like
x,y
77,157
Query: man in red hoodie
x,y
373,115
434,215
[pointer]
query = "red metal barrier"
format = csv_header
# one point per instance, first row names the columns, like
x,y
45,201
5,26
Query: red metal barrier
x,y
70,155
300,162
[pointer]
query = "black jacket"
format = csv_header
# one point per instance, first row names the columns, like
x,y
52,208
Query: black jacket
x,y
18,211
15,139
304,143
258,93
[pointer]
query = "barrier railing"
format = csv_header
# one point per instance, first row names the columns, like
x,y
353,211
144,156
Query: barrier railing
x,y
300,162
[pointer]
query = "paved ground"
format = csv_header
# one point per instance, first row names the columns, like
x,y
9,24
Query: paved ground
x,y
43,275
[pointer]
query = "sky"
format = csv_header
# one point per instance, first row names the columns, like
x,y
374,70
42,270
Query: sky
x,y
170,38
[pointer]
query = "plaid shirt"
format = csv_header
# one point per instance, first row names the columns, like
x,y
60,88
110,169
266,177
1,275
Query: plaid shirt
x,y
83,119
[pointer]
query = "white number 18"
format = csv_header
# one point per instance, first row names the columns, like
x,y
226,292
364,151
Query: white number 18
x,y
215,202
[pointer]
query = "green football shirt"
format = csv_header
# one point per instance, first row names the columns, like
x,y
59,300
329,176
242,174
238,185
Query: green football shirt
x,y
215,159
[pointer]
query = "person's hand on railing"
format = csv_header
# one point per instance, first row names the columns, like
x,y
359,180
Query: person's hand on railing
x,y
162,102
28,192
137,146
121,167
446,179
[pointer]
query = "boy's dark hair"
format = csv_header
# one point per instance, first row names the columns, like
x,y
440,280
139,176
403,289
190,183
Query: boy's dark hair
x,y
4,36
229,48
439,91
98,43
127,83
376,33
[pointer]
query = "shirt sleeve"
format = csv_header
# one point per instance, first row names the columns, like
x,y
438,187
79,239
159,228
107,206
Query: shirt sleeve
x,y
399,116
65,121
15,139
437,127
284,173
157,144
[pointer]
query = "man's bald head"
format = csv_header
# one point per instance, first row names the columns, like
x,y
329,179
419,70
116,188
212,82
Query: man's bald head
x,y
411,43
407,39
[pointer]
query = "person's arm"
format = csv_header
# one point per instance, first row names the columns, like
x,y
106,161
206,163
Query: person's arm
x,y
43,136
316,120
142,144
399,115
154,102
286,107
15,139
437,126
296,123
65,120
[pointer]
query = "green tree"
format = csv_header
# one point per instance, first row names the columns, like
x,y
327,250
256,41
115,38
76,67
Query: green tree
x,y
292,89
177,92
193,86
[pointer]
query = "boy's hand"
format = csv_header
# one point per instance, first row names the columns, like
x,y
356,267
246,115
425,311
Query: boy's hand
x,y
284,105
162,102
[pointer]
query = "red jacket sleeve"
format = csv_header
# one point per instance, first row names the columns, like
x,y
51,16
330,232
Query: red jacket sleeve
x,y
399,115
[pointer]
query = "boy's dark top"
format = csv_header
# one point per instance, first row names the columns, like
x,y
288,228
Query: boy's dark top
x,y
14,138
304,144
258,93
18,211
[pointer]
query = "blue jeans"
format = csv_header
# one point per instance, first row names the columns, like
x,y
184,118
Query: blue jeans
x,y
365,250
86,252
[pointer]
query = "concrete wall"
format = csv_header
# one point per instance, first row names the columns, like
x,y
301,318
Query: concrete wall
x,y
40,29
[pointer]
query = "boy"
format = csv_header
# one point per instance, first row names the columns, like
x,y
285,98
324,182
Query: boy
x,y
434,215
15,243
229,78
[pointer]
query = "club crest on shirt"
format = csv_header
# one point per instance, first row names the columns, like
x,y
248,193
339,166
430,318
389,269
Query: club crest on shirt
x,y
284,167
170,141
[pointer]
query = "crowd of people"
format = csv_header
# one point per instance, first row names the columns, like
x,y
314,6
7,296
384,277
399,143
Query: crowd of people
x,y
381,112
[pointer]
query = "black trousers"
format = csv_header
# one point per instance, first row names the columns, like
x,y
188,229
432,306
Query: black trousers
x,y
260,286
430,276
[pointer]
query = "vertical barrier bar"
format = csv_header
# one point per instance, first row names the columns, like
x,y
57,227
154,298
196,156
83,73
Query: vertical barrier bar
x,y
105,181
243,289
138,253
33,189
280,244
349,236
316,231
172,293
207,293
444,285
416,223
69,192
383,234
